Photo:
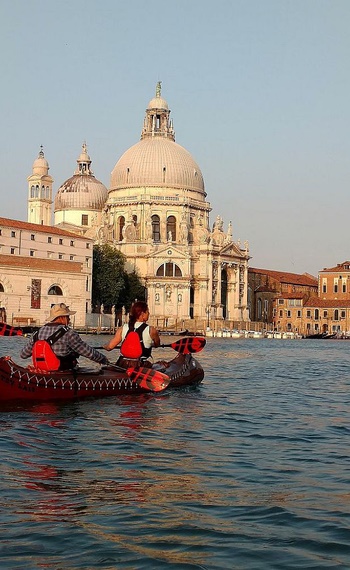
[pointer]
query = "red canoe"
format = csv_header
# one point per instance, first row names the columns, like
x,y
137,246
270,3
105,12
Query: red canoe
x,y
19,383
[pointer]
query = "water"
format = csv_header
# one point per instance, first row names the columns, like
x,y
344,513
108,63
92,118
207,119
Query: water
x,y
249,471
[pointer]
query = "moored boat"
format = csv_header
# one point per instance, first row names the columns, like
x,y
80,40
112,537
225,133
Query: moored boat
x,y
19,383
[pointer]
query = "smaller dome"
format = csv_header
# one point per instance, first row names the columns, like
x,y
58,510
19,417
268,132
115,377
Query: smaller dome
x,y
158,103
81,193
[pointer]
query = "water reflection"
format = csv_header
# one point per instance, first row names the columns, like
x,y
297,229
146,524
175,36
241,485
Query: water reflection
x,y
252,467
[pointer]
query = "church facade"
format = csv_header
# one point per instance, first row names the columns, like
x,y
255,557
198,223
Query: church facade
x,y
156,213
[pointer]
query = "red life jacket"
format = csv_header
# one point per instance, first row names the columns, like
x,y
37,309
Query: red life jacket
x,y
132,345
43,356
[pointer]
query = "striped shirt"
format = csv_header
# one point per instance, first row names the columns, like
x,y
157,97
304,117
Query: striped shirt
x,y
66,345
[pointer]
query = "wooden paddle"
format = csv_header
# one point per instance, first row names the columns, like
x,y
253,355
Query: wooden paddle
x,y
8,330
186,345
145,377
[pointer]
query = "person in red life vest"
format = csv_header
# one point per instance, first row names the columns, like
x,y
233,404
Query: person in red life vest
x,y
68,345
135,349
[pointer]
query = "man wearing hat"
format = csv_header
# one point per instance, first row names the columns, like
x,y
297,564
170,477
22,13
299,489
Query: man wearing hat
x,y
68,346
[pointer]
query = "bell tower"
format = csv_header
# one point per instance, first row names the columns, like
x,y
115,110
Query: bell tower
x,y
40,192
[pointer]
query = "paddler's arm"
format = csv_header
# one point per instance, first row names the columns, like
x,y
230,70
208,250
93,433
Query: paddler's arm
x,y
154,336
117,339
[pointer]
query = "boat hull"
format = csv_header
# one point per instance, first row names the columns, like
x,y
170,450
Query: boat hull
x,y
19,383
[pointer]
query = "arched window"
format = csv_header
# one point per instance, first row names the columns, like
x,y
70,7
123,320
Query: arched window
x,y
259,307
37,191
155,228
32,191
224,292
171,228
190,233
55,290
2,290
121,224
169,269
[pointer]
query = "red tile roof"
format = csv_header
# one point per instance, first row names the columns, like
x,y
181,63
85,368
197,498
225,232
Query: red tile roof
x,y
290,296
6,222
285,277
340,267
40,264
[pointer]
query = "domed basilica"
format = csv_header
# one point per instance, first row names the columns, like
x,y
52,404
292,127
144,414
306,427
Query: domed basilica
x,y
156,213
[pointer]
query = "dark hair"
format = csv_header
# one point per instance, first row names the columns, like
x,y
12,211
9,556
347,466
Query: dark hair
x,y
136,310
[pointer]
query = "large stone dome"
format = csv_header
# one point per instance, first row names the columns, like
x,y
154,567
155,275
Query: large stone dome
x,y
82,191
157,162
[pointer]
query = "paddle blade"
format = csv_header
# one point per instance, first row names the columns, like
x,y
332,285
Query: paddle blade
x,y
7,330
189,345
149,379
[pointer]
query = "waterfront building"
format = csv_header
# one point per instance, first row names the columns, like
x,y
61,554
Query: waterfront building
x,y
267,290
157,215
41,265
327,311
155,212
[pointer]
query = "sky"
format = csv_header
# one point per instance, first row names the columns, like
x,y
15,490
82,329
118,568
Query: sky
x,y
259,92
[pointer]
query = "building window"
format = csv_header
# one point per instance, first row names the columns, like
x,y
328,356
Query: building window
x,y
344,286
343,315
60,256
171,228
155,228
12,250
84,220
335,285
325,314
88,245
31,253
60,241
316,314
336,315
55,290
13,234
32,237
87,284
49,239
288,314
87,261
2,290
169,270
71,258
281,301
121,225
308,314
72,243
299,314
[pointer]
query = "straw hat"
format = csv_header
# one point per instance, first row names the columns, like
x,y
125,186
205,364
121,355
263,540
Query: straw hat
x,y
60,310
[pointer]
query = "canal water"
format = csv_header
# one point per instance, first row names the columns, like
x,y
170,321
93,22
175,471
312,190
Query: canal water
x,y
249,471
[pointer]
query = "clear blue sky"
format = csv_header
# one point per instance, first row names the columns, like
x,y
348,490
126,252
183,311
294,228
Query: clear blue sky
x,y
259,92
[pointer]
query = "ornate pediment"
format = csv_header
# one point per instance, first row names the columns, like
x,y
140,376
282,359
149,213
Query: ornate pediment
x,y
168,252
